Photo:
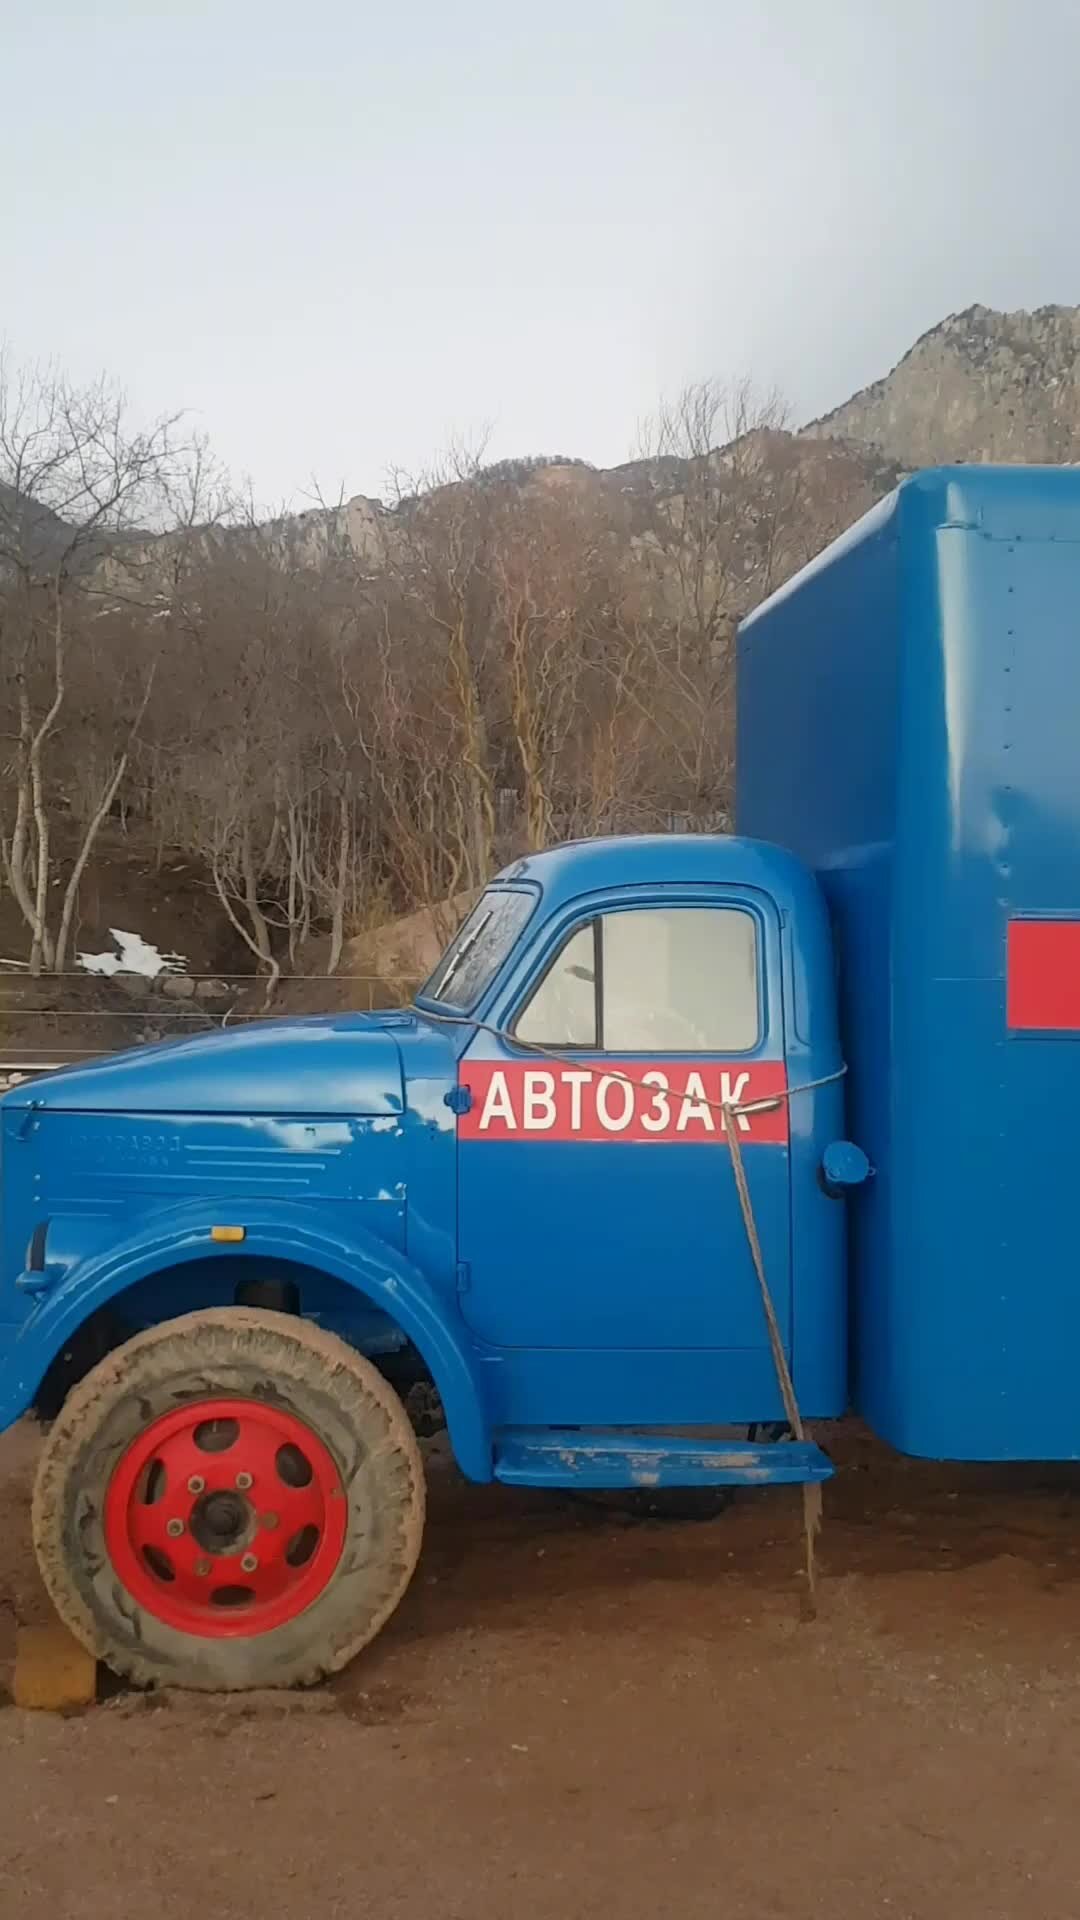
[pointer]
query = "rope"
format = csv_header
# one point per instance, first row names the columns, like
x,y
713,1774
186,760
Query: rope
x,y
811,1489
730,1110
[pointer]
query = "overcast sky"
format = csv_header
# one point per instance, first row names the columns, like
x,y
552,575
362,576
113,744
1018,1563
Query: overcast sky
x,y
340,232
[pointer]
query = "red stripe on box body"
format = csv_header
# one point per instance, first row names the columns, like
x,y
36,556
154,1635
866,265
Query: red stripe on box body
x,y
1044,976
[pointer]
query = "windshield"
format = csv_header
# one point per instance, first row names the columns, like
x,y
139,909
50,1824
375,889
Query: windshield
x,y
476,953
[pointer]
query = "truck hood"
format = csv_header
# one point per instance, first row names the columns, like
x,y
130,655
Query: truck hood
x,y
334,1063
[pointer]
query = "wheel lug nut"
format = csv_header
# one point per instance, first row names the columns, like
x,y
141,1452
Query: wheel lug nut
x,y
249,1563
196,1484
202,1568
269,1520
243,1481
174,1528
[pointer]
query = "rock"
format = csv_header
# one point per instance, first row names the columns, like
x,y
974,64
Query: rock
x,y
135,985
981,385
177,986
213,990
53,1673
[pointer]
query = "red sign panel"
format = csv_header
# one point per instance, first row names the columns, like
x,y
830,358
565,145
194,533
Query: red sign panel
x,y
1044,975
635,1100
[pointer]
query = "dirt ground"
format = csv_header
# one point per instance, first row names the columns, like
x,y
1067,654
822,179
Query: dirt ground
x,y
577,1714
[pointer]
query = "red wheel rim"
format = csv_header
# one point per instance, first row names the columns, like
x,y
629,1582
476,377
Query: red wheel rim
x,y
226,1518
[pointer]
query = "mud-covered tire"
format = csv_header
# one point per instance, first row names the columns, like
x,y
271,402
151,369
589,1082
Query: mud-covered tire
x,y
241,1354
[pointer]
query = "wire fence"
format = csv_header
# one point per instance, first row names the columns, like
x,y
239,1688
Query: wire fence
x,y
158,1004
20,970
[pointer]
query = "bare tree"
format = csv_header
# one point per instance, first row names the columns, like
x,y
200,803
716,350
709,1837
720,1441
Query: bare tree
x,y
441,591
75,484
723,498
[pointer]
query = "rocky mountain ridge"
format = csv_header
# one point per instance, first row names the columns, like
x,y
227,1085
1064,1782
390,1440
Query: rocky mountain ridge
x,y
980,386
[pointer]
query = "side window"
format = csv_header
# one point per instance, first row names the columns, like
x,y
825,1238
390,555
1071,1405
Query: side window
x,y
680,980
652,980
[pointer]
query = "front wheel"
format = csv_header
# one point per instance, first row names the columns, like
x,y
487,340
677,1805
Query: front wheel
x,y
232,1499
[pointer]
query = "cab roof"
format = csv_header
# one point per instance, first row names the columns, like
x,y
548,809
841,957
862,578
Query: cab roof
x,y
577,867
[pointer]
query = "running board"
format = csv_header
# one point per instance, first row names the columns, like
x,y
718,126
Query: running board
x,y
580,1457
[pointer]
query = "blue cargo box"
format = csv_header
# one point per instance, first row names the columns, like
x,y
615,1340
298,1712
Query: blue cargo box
x,y
909,723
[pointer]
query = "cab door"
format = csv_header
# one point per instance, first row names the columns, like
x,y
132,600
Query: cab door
x,y
598,1208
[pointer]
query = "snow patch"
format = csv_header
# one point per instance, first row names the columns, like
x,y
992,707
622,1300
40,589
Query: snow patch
x,y
135,955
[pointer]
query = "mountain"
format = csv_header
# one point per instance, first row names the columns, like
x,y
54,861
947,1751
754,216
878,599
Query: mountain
x,y
980,386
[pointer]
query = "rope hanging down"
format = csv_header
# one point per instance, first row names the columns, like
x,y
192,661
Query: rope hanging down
x,y
811,1489
730,1110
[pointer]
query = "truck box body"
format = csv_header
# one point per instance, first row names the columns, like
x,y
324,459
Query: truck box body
x,y
909,723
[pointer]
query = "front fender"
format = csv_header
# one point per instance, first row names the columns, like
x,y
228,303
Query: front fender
x,y
277,1231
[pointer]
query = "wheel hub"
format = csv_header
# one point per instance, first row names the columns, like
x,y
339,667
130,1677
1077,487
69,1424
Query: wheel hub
x,y
226,1518
220,1520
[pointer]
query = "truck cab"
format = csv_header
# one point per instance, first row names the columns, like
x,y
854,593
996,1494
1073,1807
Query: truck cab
x,y
624,992
521,1190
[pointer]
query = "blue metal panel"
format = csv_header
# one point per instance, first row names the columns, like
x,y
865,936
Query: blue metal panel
x,y
340,1063
534,1386
596,1459
145,1160
174,1239
936,794
817,691
19,1215
429,1058
91,1181
988,804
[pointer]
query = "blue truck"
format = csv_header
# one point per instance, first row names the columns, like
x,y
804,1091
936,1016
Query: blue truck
x,y
685,1142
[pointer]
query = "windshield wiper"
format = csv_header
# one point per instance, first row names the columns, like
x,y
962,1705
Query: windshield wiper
x,y
462,953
